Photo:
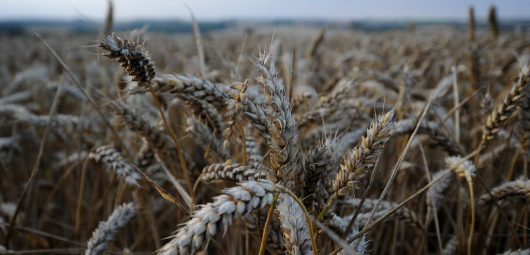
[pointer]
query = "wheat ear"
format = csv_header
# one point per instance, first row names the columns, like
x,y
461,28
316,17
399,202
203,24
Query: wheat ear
x,y
294,227
232,172
451,247
363,157
321,164
432,130
524,124
106,230
252,148
435,193
213,217
115,163
206,138
156,139
192,87
403,213
132,55
517,188
503,111
359,245
517,252
285,153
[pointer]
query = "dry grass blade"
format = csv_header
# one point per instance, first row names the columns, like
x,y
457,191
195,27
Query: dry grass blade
x,y
162,192
198,43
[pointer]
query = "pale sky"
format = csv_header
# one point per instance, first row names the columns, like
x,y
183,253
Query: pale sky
x,y
261,9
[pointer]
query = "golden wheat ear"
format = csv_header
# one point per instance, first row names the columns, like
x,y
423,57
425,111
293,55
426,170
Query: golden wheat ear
x,y
134,59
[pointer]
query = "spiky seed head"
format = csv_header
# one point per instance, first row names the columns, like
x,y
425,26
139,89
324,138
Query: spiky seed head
x,y
132,55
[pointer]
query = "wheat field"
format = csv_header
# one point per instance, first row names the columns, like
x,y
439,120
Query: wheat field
x,y
282,140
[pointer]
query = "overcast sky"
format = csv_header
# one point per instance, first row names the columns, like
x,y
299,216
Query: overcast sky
x,y
261,9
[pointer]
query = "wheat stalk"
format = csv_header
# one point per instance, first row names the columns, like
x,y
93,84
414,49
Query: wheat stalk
x,y
275,239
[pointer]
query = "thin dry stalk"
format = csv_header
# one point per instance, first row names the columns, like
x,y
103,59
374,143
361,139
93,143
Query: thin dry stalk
x,y
198,43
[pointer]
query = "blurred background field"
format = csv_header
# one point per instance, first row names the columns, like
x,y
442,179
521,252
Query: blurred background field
x,y
346,103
